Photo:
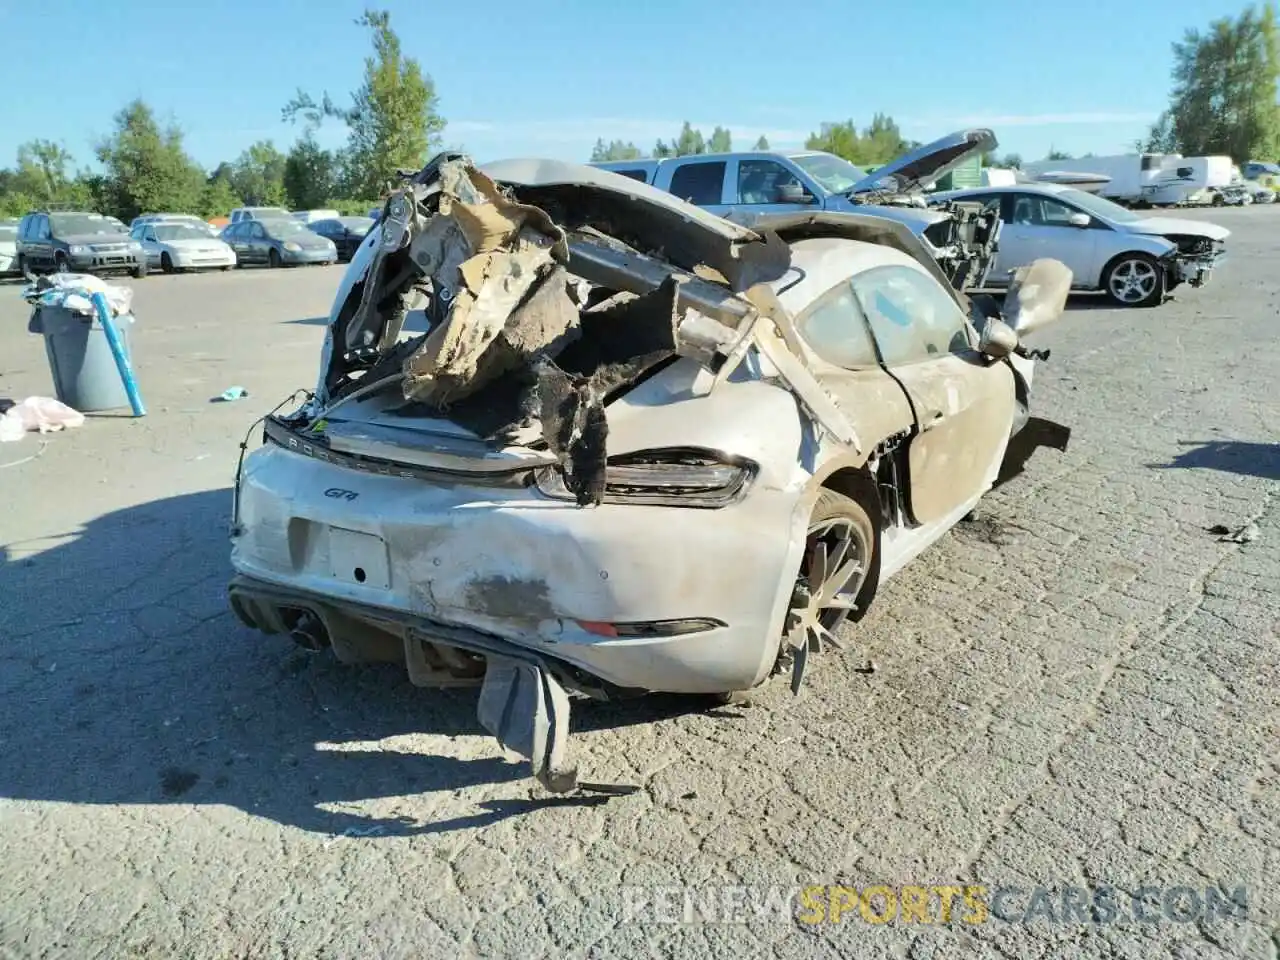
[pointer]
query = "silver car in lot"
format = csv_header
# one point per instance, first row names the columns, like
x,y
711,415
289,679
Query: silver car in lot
x,y
278,242
1133,258
173,246
639,448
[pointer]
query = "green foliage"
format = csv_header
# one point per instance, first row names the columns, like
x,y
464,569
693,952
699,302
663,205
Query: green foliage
x,y
689,142
762,143
42,176
721,141
614,150
310,174
878,143
393,121
257,175
1224,91
219,197
145,167
1055,154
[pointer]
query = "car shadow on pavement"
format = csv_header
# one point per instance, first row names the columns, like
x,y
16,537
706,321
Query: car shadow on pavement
x,y
125,679
1228,456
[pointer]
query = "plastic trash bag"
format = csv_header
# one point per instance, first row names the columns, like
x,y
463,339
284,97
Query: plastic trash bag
x,y
72,291
39,414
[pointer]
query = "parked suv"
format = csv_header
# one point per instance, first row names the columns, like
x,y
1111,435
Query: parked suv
x,y
744,186
68,241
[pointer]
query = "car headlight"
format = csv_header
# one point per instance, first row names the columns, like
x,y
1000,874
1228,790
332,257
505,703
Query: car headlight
x,y
77,249
135,246
675,477
331,245
292,247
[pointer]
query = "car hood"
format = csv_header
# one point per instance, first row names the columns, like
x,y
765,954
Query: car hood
x,y
924,164
1167,226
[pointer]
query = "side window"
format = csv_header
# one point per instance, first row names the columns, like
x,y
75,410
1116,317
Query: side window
x,y
836,329
911,316
633,174
699,183
1055,214
256,232
767,181
24,228
42,229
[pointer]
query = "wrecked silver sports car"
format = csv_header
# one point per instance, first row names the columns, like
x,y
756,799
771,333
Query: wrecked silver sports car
x,y
638,448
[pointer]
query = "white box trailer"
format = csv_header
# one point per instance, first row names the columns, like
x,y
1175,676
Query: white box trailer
x,y
1155,179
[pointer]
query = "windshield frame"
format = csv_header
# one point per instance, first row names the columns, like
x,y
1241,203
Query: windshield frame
x,y
191,231
1095,205
270,226
808,161
70,224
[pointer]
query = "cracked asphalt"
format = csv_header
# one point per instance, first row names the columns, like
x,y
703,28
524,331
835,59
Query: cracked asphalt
x,y
1081,688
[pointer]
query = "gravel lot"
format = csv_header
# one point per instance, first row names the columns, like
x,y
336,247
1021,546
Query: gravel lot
x,y
1080,688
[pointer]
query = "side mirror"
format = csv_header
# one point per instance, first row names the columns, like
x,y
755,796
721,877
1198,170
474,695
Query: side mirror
x,y
1080,220
1037,295
998,339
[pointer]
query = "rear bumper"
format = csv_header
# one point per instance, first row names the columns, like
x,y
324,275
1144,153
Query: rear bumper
x,y
506,562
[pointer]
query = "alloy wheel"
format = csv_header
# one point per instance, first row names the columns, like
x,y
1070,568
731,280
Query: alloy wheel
x,y
1133,281
835,567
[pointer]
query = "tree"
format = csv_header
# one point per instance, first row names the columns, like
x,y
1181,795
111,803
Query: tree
x,y
1055,154
393,121
257,175
145,167
879,143
1224,90
42,176
1011,160
219,197
690,141
614,150
661,150
721,141
310,177
762,143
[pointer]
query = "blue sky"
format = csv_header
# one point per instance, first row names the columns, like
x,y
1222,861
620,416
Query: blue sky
x,y
519,78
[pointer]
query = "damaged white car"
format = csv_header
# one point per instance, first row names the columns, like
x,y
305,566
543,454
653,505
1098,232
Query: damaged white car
x,y
639,448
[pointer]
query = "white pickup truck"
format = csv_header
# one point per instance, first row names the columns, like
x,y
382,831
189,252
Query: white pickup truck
x,y
743,186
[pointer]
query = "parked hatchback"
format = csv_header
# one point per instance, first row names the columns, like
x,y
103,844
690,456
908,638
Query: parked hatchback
x,y
1133,258
77,242
277,243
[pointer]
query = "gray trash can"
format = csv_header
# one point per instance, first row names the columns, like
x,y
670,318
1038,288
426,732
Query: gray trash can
x,y
85,376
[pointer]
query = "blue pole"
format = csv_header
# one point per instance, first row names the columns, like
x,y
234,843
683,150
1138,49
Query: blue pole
x,y
117,351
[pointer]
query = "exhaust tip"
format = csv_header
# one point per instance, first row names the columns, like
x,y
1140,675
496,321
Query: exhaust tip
x,y
309,633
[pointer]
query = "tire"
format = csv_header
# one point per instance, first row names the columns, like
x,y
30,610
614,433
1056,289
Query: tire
x,y
21,264
1134,280
273,258
166,264
60,264
225,269
813,617
139,271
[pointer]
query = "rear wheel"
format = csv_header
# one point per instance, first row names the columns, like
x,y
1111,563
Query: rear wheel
x,y
1134,280
838,558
